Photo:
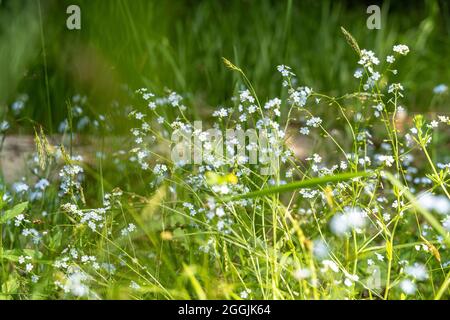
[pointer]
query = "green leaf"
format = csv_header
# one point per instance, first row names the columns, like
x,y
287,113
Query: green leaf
x,y
13,255
9,287
300,185
14,212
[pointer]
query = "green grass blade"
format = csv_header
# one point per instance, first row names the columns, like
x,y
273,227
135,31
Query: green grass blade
x,y
300,185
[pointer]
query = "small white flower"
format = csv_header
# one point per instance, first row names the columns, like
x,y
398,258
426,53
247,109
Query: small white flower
x,y
328,264
300,96
220,212
252,109
244,294
418,271
350,219
375,76
28,267
380,257
314,122
4,125
350,279
20,187
368,58
246,96
42,184
387,160
220,225
440,204
348,282
401,49
285,71
134,285
301,274
440,89
434,124
221,113
139,116
408,287
390,59
160,169
19,219
395,87
358,74
444,119
316,158
147,96
305,131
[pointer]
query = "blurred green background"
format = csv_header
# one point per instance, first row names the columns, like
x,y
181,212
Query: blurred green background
x,y
124,45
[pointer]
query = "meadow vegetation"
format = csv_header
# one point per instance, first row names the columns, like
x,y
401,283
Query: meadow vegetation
x,y
350,197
